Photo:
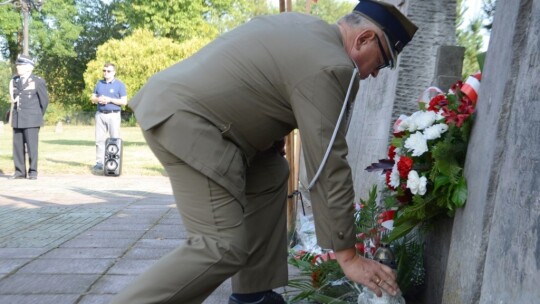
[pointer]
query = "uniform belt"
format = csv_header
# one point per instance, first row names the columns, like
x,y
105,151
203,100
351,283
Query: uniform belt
x,y
107,112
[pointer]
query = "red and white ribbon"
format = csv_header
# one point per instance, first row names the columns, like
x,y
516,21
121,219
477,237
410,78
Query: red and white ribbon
x,y
429,93
471,87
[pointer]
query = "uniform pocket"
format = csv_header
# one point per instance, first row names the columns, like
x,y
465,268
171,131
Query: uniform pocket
x,y
232,164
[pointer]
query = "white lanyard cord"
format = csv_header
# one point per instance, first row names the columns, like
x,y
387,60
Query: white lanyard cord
x,y
331,143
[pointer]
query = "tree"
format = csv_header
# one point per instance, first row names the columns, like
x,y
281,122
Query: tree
x,y
470,38
66,73
10,32
186,19
5,76
489,11
328,10
53,31
137,57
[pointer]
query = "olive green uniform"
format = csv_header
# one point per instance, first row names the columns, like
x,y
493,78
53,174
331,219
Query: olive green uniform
x,y
212,120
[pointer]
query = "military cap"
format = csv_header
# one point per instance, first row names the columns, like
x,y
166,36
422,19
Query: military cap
x,y
398,28
23,59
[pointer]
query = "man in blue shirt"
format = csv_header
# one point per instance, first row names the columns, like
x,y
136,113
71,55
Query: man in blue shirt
x,y
110,95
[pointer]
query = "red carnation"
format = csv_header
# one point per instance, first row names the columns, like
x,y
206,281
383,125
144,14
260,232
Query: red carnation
x,y
404,166
388,173
437,102
391,152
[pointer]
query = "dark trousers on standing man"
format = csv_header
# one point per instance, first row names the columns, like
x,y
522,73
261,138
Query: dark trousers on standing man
x,y
30,138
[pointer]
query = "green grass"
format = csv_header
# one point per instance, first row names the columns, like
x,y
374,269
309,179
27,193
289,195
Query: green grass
x,y
73,151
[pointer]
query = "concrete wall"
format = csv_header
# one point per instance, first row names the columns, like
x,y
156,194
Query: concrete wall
x,y
437,242
495,250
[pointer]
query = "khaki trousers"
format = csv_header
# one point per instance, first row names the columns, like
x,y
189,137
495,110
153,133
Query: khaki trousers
x,y
107,125
224,240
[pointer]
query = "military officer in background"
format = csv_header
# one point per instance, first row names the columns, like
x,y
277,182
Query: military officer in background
x,y
212,121
29,98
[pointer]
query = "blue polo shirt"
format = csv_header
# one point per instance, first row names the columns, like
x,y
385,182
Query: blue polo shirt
x,y
114,89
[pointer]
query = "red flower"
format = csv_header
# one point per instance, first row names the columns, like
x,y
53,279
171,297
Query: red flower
x,y
405,197
300,254
315,278
456,86
437,102
388,173
466,106
387,215
391,152
360,248
404,166
452,117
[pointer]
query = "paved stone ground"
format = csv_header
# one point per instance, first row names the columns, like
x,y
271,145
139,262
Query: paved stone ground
x,y
81,239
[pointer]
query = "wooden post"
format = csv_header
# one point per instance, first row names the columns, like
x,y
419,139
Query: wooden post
x,y
292,150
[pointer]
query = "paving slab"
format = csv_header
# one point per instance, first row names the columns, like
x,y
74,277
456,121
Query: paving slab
x,y
81,239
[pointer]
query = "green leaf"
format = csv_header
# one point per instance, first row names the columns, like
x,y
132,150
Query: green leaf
x,y
397,142
481,57
440,181
459,195
402,229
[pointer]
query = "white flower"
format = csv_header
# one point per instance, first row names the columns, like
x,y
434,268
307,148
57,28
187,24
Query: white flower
x,y
394,176
398,125
440,115
416,183
421,120
408,124
435,131
416,143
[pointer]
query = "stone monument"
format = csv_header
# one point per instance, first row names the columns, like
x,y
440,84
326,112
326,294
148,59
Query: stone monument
x,y
495,251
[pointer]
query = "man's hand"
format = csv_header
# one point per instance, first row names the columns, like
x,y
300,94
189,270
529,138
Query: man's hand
x,y
369,273
103,100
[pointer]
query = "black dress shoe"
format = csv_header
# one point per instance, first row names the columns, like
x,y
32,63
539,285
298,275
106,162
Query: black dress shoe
x,y
16,177
269,297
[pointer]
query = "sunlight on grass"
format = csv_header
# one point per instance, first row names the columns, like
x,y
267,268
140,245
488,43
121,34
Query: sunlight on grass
x,y
73,150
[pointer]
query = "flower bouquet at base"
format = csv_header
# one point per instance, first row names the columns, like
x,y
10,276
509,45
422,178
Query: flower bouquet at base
x,y
424,169
374,223
321,279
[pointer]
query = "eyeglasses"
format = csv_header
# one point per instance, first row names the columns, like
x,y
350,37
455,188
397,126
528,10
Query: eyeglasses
x,y
386,62
108,71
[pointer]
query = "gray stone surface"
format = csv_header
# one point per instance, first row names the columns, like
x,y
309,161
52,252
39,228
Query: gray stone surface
x,y
84,253
40,299
67,242
495,251
449,63
67,266
22,284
